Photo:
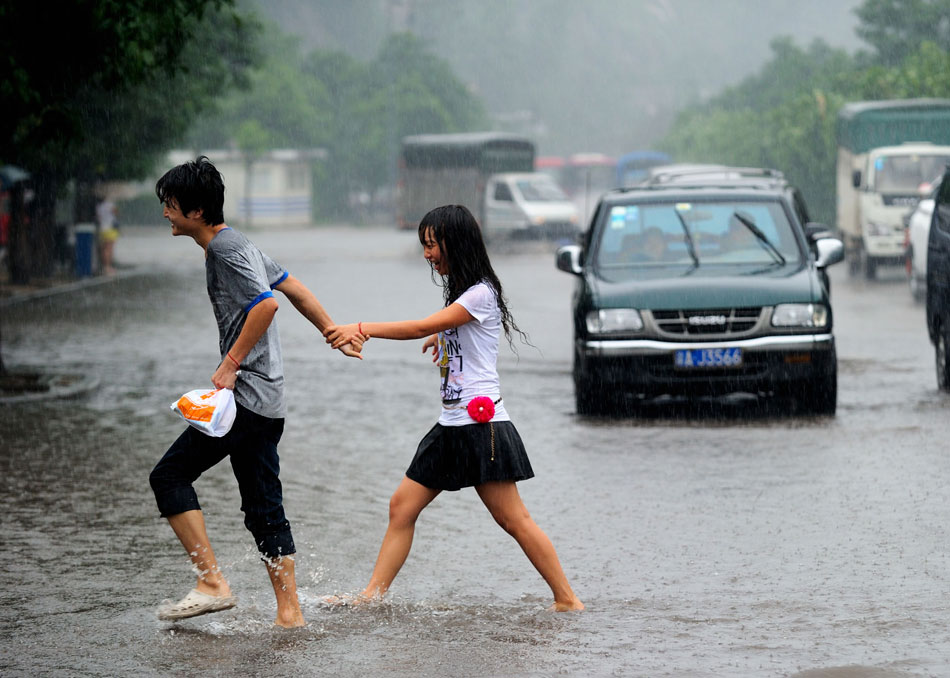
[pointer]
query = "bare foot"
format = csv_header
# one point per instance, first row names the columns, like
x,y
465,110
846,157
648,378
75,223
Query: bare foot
x,y
346,600
570,606
290,621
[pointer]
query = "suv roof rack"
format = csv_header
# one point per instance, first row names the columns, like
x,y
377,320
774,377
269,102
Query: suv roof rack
x,y
710,174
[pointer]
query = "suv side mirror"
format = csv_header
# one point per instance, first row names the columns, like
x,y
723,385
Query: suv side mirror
x,y
829,251
856,178
568,259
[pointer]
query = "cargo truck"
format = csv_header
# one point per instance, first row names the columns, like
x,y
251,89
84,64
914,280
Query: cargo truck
x,y
443,169
888,152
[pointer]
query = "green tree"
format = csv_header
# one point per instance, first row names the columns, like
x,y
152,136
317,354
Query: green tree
x,y
289,107
123,79
924,73
784,116
790,73
895,28
97,89
96,105
405,90
357,111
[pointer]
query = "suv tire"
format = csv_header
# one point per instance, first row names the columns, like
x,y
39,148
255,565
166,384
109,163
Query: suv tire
x,y
942,358
592,399
820,397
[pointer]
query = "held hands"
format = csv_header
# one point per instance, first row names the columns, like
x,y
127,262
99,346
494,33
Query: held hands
x,y
347,338
352,350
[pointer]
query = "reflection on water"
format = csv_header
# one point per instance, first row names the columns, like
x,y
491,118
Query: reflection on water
x,y
703,545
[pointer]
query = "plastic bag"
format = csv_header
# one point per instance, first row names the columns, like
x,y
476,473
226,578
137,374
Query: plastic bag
x,y
211,411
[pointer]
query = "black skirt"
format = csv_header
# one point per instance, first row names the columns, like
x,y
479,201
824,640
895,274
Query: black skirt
x,y
453,457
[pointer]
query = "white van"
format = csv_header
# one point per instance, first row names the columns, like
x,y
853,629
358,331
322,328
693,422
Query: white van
x,y
530,204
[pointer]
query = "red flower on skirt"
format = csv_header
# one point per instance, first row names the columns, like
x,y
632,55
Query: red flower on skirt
x,y
481,409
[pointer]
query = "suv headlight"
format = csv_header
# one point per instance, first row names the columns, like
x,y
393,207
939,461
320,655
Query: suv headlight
x,y
800,315
610,320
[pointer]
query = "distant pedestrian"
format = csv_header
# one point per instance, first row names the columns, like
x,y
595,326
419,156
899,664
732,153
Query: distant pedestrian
x,y
108,218
240,279
474,443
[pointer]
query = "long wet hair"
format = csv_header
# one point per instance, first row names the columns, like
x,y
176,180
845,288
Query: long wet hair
x,y
461,245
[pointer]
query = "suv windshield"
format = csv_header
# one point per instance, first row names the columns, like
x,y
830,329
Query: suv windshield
x,y
722,233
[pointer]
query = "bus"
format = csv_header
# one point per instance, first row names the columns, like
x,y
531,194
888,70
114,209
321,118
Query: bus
x,y
442,169
552,165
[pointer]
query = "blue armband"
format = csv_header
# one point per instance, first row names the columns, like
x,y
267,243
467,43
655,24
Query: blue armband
x,y
260,297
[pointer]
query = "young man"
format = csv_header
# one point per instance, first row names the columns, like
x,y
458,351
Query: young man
x,y
240,279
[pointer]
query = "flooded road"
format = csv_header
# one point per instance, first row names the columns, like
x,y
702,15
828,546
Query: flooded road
x,y
704,543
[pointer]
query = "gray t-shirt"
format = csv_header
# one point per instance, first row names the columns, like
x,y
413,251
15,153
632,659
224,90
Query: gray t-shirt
x,y
239,277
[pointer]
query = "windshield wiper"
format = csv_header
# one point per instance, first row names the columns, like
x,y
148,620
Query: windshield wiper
x,y
765,267
762,238
690,245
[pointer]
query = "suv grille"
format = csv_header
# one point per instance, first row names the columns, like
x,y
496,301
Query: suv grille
x,y
720,321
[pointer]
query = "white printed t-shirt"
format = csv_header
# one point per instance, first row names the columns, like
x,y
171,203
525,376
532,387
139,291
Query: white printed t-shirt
x,y
468,358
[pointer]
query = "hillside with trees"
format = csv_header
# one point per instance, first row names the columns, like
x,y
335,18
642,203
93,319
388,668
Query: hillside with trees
x,y
358,111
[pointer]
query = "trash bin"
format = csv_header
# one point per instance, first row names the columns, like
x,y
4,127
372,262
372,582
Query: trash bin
x,y
85,241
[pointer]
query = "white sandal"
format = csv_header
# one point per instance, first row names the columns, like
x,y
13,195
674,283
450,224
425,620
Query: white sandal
x,y
194,604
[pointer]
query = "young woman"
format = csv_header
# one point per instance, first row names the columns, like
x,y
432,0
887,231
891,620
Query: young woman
x,y
474,443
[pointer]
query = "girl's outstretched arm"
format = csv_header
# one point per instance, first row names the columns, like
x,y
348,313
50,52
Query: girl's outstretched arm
x,y
453,315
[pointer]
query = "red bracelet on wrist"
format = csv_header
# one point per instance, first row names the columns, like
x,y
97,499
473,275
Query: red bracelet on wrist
x,y
233,360
360,327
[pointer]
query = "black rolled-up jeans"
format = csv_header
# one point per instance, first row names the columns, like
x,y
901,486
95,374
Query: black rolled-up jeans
x,y
252,446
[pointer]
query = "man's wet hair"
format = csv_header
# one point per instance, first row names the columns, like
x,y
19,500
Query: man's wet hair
x,y
195,185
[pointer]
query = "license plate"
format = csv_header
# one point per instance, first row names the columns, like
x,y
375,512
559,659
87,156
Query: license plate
x,y
708,357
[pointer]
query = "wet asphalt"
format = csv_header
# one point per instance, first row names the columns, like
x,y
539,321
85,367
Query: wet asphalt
x,y
712,538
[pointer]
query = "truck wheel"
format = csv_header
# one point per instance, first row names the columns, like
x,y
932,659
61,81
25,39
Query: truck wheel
x,y
869,265
854,258
942,357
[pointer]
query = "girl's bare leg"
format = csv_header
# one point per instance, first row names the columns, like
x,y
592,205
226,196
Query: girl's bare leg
x,y
405,506
508,510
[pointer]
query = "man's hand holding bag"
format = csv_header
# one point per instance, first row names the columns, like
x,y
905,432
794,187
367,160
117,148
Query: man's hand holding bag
x,y
211,411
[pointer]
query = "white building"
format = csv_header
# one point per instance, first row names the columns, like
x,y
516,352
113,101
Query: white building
x,y
273,189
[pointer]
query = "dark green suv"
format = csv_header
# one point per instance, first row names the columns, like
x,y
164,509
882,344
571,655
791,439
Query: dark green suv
x,y
703,286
